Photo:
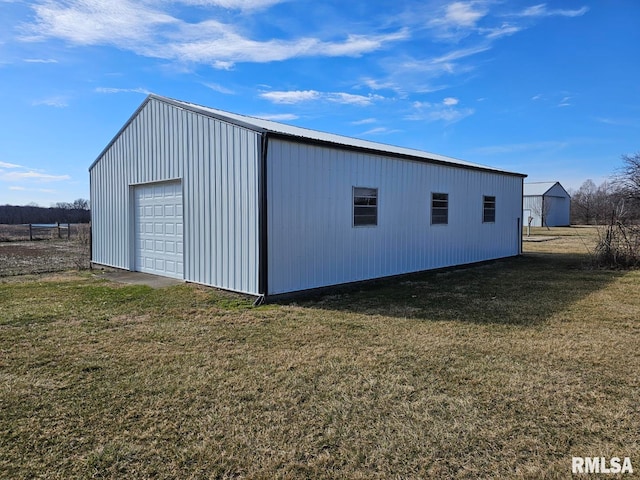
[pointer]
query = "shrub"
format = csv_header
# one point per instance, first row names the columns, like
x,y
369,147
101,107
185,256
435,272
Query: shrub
x,y
618,246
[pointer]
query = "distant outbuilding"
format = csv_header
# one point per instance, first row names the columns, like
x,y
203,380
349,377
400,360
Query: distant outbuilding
x,y
263,208
547,204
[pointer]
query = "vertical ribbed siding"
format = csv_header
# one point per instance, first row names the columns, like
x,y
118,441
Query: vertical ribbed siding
x,y
312,241
218,165
533,205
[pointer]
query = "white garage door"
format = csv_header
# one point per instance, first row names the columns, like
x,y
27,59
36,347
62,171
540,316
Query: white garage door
x,y
158,227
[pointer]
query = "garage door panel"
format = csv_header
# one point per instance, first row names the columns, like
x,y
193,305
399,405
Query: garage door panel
x,y
158,243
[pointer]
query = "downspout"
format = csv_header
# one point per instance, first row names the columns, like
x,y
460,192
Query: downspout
x,y
521,222
263,250
90,222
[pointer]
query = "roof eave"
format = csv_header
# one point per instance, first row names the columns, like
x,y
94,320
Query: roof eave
x,y
386,153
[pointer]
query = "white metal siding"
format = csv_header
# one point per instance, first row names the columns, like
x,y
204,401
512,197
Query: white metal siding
x,y
533,204
218,165
312,241
557,210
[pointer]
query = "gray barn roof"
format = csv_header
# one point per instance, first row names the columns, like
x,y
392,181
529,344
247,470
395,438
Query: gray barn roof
x,y
307,135
539,189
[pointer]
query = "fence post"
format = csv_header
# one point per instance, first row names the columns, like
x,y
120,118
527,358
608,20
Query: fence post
x,y
30,233
59,236
68,231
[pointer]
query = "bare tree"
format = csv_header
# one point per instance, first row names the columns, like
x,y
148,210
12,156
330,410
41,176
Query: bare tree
x,y
542,210
80,204
583,203
627,182
619,245
592,204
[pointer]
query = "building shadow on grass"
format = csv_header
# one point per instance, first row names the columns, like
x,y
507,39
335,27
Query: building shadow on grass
x,y
525,290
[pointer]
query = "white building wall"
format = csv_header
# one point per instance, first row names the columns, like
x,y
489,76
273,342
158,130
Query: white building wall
x,y
560,202
556,208
312,242
558,212
218,165
533,204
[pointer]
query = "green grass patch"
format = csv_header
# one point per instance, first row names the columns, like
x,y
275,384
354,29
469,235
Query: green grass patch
x,y
502,370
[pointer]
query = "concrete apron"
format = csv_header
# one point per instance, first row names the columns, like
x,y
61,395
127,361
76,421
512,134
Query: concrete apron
x,y
138,278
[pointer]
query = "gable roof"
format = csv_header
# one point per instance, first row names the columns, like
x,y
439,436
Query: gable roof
x,y
300,134
539,189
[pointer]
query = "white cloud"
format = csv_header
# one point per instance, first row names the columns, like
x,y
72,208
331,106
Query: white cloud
x,y
364,121
541,10
10,165
565,102
447,64
220,45
40,60
502,31
461,53
277,117
141,27
222,65
11,172
110,90
457,20
350,99
299,96
622,122
234,4
443,111
379,131
463,14
122,23
31,175
290,97
58,101
356,45
379,85
219,88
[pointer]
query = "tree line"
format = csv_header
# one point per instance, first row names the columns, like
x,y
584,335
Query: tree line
x,y
616,206
617,199
62,212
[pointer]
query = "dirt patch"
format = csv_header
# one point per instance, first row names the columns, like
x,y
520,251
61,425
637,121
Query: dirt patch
x,y
24,257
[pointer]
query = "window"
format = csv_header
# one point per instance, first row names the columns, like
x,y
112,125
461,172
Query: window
x,y
365,206
489,209
439,208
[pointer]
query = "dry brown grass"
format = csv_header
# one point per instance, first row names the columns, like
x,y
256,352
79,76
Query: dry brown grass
x,y
580,240
504,370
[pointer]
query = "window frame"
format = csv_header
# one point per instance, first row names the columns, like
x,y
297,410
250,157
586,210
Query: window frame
x,y
362,195
436,211
486,208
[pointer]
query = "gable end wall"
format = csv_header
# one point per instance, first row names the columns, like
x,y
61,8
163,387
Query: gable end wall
x,y
217,164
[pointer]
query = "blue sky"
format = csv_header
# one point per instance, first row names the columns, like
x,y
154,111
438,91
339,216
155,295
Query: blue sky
x,y
547,89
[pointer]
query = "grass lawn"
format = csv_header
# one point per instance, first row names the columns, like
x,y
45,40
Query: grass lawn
x,y
502,370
